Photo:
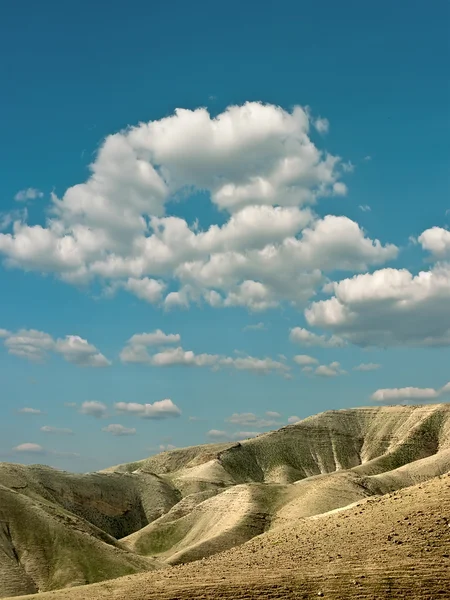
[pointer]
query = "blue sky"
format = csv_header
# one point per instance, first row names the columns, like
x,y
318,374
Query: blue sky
x,y
295,207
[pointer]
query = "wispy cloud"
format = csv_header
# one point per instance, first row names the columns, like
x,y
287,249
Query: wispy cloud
x,y
28,194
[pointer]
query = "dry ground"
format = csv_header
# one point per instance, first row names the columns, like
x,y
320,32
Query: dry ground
x,y
346,504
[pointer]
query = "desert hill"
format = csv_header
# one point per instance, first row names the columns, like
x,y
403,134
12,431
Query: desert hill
x,y
269,504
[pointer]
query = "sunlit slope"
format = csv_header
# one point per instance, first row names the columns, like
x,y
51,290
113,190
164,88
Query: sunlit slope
x,y
388,547
373,440
370,440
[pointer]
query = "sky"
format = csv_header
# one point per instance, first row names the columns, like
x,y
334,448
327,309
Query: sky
x,y
216,220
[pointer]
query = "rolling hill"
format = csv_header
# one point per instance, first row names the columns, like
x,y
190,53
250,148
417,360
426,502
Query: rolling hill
x,y
329,503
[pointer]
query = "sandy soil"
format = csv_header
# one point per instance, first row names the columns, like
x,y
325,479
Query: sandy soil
x,y
395,546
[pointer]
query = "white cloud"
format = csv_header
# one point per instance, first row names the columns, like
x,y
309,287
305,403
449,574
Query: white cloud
x,y
307,369
257,164
166,447
364,207
437,241
340,189
293,419
389,307
322,125
4,333
161,409
8,218
30,411
367,367
28,194
304,359
94,408
304,337
29,448
255,327
135,350
217,434
30,344
331,370
409,393
76,350
255,365
178,356
273,414
56,430
150,290
119,430
348,167
252,420
261,279
35,345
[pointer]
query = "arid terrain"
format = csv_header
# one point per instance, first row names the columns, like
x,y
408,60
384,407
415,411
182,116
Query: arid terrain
x,y
344,504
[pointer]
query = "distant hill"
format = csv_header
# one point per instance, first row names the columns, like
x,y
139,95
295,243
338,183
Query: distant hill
x,y
239,501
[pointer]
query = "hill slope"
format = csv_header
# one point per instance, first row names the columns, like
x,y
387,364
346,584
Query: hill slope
x,y
63,530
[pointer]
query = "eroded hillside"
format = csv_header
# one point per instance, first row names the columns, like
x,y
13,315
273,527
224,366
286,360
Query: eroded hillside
x,y
61,530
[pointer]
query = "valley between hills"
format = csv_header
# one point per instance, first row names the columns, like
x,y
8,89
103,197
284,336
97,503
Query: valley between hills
x,y
344,504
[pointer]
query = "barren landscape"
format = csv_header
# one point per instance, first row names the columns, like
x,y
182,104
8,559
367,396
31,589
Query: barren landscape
x,y
349,503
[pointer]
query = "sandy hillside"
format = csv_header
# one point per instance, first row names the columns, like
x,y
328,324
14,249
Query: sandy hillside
x,y
265,511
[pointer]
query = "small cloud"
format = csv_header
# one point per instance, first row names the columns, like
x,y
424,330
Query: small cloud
x,y
162,409
307,369
390,395
80,352
304,337
273,414
70,404
56,430
94,409
28,194
217,434
30,411
256,327
367,158
331,370
364,207
348,167
251,419
29,448
367,367
196,419
340,189
118,430
166,447
293,419
304,359
321,125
